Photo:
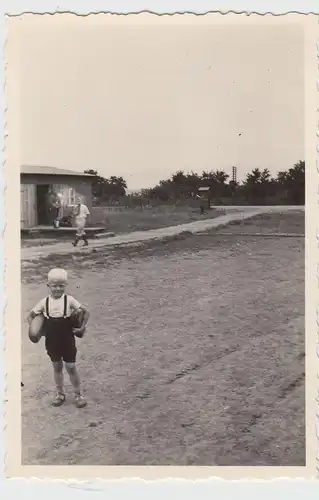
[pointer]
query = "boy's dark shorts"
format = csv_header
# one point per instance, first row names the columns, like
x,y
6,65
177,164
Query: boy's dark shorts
x,y
59,350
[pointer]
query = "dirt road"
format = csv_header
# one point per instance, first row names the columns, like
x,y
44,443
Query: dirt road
x,y
194,356
233,213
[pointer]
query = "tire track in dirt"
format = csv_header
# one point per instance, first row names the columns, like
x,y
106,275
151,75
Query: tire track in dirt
x,y
297,382
198,366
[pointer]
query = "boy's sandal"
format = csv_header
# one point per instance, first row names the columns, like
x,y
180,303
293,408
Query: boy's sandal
x,y
80,401
58,400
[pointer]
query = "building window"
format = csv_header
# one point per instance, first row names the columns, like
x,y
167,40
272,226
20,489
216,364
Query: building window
x,y
71,196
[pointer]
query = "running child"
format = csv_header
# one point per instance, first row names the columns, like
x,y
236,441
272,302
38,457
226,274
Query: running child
x,y
80,213
59,318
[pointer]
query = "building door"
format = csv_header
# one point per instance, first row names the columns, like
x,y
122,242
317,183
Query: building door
x,y
42,204
23,208
27,206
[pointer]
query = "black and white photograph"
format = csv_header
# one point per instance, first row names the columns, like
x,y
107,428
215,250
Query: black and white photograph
x,y
162,240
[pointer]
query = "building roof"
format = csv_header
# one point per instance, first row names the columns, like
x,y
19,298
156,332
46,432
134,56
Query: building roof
x,y
27,169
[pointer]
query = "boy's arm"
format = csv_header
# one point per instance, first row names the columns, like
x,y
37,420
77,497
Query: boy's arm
x,y
38,309
76,306
79,332
86,316
30,317
87,213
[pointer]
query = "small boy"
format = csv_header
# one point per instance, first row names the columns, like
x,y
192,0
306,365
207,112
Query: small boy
x,y
59,328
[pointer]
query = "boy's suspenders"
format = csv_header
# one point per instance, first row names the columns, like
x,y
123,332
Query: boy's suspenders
x,y
65,311
47,307
65,306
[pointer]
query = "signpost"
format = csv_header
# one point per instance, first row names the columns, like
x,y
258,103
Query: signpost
x,y
204,193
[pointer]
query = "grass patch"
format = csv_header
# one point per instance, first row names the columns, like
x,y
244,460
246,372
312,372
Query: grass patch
x,y
138,220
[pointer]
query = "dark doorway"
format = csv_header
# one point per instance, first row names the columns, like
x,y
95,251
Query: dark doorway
x,y
42,204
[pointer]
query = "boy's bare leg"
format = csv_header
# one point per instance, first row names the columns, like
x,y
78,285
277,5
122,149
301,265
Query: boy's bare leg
x,y
74,377
75,381
59,383
58,376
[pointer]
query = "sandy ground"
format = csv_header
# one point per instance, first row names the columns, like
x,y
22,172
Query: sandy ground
x,y
194,354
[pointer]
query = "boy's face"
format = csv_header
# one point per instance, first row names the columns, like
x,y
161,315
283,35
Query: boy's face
x,y
57,288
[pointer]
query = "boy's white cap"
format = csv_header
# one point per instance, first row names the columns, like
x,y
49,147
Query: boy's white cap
x,y
57,274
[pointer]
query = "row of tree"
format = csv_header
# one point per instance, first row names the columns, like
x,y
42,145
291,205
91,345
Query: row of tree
x,y
107,190
257,188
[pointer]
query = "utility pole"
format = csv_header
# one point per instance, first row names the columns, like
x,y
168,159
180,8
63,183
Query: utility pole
x,y
234,174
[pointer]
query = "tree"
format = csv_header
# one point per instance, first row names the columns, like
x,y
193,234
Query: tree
x,y
292,183
110,189
193,182
116,186
216,181
164,191
98,185
256,186
179,183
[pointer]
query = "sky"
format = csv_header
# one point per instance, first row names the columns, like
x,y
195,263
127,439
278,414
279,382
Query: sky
x,y
143,100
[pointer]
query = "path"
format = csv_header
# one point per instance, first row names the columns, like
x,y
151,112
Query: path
x,y
232,213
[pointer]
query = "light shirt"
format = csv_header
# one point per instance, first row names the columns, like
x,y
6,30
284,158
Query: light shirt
x,y
56,306
83,212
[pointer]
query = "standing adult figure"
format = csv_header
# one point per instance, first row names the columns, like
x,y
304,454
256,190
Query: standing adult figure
x,y
54,202
57,204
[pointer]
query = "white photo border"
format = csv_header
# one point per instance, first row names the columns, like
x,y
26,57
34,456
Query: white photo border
x,y
309,225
